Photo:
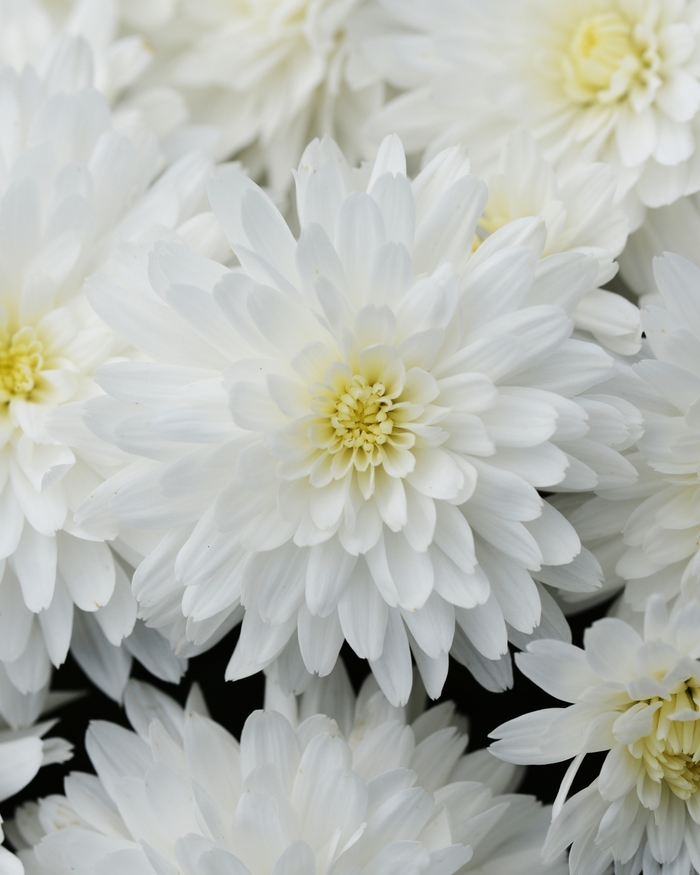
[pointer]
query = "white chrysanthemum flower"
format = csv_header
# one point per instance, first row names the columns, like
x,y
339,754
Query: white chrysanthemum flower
x,y
346,435
593,80
647,536
638,698
24,751
579,215
339,785
69,186
268,75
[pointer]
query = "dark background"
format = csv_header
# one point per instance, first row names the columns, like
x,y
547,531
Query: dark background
x,y
231,703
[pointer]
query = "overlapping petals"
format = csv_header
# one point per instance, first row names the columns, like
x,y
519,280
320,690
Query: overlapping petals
x,y
364,788
71,185
636,697
346,435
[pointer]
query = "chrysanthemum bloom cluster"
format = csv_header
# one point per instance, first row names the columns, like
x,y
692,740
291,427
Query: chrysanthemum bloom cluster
x,y
593,80
408,416
346,435
69,185
646,536
339,785
637,697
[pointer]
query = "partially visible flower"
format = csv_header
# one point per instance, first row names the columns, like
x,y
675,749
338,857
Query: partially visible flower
x,y
269,76
647,536
580,216
593,80
71,187
345,436
22,753
115,60
638,698
339,785
29,29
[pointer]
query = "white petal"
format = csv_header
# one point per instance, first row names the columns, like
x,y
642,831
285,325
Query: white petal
x,y
155,653
118,616
454,537
44,511
436,474
32,670
34,563
363,613
20,760
107,666
320,640
259,644
393,668
432,626
513,588
268,738
359,231
485,627
411,572
250,219
456,586
556,537
338,803
11,521
87,567
277,578
327,573
444,233
610,646
558,668
57,623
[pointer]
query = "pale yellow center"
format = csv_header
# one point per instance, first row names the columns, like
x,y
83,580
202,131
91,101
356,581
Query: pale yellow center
x,y
21,359
488,224
361,418
606,59
671,751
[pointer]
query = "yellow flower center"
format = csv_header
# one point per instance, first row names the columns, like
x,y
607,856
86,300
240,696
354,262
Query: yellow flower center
x,y
361,420
488,224
21,359
671,751
607,57
361,417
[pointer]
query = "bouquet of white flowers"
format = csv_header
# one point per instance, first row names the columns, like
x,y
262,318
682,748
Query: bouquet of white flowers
x,y
353,345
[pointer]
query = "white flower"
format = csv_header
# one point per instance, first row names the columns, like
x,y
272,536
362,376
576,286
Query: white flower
x,y
338,786
647,536
22,753
637,697
346,435
579,215
267,75
70,185
593,80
